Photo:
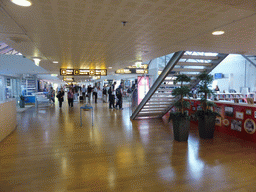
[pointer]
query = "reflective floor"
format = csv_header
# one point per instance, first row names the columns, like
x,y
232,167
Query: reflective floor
x,y
49,151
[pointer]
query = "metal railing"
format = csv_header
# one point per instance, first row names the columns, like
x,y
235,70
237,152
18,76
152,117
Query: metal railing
x,y
170,65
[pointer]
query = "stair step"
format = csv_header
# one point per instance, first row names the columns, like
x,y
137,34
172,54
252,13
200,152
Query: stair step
x,y
190,75
161,98
201,57
156,105
189,70
153,110
149,114
159,103
194,64
168,93
165,90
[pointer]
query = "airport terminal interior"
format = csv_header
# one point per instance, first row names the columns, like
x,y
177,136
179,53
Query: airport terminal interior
x,y
88,95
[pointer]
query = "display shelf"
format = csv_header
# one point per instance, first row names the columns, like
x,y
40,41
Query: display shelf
x,y
232,96
29,85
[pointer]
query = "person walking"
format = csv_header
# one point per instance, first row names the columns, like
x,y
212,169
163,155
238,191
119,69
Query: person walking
x,y
70,98
83,92
52,95
60,96
95,93
111,93
89,92
104,94
119,96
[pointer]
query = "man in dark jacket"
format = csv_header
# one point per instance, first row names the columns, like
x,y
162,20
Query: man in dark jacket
x,y
119,95
111,93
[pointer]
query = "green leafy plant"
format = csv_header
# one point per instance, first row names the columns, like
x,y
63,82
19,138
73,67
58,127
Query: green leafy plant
x,y
181,92
204,89
22,98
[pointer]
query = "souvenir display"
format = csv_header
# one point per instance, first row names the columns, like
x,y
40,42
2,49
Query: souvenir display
x,y
249,126
218,121
236,125
239,115
229,111
225,122
248,111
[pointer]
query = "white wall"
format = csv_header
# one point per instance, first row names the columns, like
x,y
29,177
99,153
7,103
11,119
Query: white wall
x,y
238,73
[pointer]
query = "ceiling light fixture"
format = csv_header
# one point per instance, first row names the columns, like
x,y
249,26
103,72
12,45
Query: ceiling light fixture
x,y
110,67
37,61
218,32
54,75
55,62
24,3
124,22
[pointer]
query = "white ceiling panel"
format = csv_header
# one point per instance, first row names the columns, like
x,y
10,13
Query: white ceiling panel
x,y
90,33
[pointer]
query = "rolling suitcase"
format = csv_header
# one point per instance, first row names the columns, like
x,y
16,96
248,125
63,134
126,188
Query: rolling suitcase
x,y
81,98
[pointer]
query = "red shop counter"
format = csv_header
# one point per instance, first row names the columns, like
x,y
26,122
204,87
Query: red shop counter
x,y
237,119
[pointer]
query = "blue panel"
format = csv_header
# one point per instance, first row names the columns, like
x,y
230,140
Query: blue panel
x,y
218,75
30,99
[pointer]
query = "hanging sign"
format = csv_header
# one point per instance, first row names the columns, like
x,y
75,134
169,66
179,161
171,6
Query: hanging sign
x,y
84,72
132,71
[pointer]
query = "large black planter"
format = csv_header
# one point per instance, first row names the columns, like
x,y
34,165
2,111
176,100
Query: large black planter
x,y
181,129
206,126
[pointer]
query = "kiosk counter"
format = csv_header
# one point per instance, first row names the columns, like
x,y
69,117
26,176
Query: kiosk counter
x,y
8,117
237,119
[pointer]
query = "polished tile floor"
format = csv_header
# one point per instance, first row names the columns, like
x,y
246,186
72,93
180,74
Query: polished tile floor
x,y
49,151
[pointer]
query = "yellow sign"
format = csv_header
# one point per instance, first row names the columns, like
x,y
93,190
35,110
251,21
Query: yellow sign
x,y
68,79
84,72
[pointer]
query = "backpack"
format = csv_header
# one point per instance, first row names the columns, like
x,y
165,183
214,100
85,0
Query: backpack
x,y
109,91
118,93
104,91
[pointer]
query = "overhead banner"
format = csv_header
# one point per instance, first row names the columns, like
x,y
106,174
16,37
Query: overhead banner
x,y
84,72
132,71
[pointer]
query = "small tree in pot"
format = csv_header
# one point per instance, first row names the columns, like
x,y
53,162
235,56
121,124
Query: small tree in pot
x,y
180,119
206,117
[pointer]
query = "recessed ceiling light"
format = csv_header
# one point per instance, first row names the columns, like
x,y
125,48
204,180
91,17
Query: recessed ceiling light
x,y
55,62
24,3
110,67
54,75
218,32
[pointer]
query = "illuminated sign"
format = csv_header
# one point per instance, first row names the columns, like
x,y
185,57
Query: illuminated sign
x,y
84,72
132,71
141,71
68,79
123,71
145,66
66,71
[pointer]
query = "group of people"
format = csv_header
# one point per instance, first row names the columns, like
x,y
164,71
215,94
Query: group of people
x,y
115,93
89,92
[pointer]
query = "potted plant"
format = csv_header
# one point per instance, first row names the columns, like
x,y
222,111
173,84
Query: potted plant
x,y
206,116
180,118
22,101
